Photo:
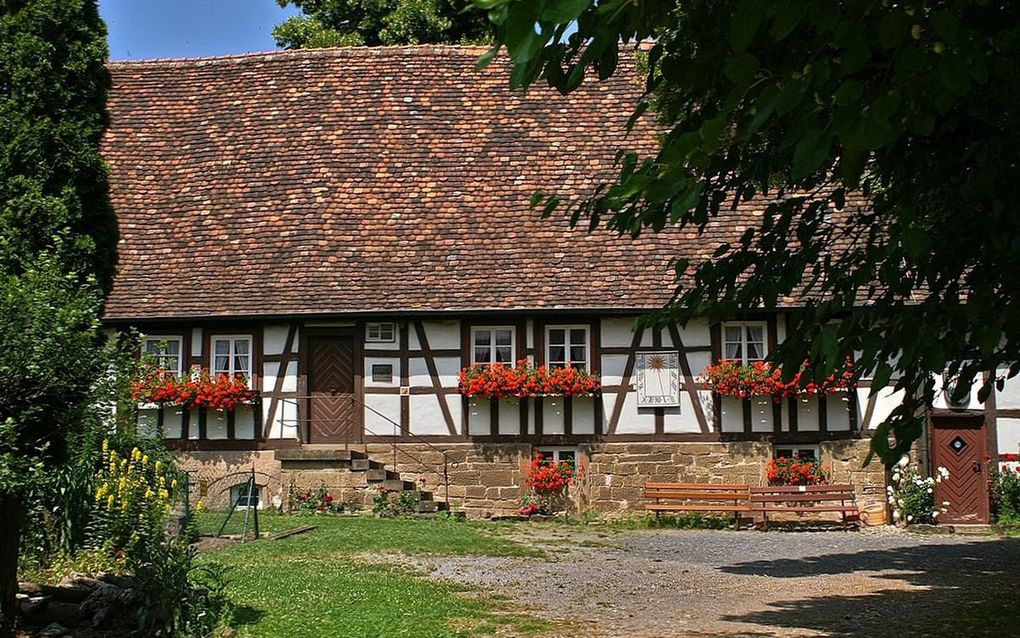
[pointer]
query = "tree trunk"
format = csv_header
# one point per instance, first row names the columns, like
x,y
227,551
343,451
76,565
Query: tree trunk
x,y
10,536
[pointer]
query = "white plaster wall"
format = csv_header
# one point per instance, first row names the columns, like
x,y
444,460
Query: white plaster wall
x,y
388,405
274,337
972,400
447,367
762,417
837,416
1009,397
244,422
529,335
479,417
708,409
612,368
696,334
699,361
1008,435
732,414
886,402
426,415
270,371
441,335
392,361
617,332
216,424
196,342
284,425
634,420
583,414
509,416
453,403
807,414
646,337
680,419
552,415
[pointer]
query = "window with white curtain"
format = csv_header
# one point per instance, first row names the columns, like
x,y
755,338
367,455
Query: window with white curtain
x,y
744,341
164,352
232,356
566,347
493,345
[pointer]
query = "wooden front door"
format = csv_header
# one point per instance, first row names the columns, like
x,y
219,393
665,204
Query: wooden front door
x,y
959,445
333,414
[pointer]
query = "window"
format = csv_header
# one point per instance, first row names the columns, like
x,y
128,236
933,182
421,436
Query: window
x,y
744,342
165,353
798,452
382,373
493,345
239,495
566,347
232,357
553,455
380,332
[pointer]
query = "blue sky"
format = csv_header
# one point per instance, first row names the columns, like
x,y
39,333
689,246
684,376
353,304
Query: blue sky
x,y
141,29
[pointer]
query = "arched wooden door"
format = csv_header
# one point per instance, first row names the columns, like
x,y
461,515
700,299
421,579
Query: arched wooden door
x,y
959,444
332,410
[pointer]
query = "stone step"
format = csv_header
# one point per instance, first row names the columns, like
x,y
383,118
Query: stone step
x,y
308,453
379,474
361,465
397,485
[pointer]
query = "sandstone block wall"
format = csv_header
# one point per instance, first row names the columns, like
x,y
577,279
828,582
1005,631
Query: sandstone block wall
x,y
489,479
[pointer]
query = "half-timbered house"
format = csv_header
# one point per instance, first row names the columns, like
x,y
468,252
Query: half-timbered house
x,y
349,229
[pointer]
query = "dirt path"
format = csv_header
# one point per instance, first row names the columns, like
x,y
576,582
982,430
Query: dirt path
x,y
712,583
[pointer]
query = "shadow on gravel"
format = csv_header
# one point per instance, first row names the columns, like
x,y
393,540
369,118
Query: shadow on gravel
x,y
956,585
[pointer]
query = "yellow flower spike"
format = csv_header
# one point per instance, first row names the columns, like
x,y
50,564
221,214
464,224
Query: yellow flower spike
x,y
145,459
109,501
149,493
106,446
159,466
173,484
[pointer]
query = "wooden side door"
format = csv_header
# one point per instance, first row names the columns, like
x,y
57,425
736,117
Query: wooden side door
x,y
959,445
333,412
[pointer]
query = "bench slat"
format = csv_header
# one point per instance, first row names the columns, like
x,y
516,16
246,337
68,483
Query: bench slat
x,y
789,498
803,508
710,496
679,507
835,487
698,486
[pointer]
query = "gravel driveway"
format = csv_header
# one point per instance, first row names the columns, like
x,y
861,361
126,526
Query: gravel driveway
x,y
718,583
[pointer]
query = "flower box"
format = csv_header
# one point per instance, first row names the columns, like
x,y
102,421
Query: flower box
x,y
525,381
761,379
197,389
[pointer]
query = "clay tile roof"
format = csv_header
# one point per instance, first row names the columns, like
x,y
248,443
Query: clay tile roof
x,y
358,180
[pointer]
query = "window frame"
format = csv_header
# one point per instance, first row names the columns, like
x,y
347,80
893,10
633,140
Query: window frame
x,y
235,502
553,454
796,449
157,339
744,325
232,338
492,345
378,338
567,345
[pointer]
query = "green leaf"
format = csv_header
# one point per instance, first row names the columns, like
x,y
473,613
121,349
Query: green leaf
x,y
811,152
945,25
953,72
916,242
747,17
788,17
486,58
740,68
560,11
892,28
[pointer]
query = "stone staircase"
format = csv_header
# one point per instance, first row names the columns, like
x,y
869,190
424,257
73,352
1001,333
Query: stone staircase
x,y
351,476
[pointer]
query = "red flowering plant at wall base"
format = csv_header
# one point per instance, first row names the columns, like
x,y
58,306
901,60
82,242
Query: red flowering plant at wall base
x,y
549,482
795,471
196,389
524,380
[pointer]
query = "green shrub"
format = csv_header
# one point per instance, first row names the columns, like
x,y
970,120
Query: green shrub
x,y
1006,496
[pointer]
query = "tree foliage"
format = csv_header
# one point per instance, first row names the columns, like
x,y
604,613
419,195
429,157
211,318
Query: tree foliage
x,y
809,105
57,246
331,23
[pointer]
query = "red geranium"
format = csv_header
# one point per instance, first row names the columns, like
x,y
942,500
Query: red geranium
x,y
794,471
757,379
549,479
524,380
197,389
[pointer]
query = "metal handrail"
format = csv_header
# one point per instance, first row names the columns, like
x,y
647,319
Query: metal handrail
x,y
393,444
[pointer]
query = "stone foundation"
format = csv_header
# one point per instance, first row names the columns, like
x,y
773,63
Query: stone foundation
x,y
488,479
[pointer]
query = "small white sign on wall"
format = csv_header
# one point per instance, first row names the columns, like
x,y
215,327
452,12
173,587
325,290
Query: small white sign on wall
x,y
658,379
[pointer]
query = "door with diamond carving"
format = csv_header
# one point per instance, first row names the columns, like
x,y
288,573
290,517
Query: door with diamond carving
x,y
332,410
959,444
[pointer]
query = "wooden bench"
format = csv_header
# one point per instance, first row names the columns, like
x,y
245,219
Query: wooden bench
x,y
802,499
697,497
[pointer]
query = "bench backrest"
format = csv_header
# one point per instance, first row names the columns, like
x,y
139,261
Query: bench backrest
x,y
790,493
697,491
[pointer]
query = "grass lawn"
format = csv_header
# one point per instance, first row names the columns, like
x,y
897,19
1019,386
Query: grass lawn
x,y
313,584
